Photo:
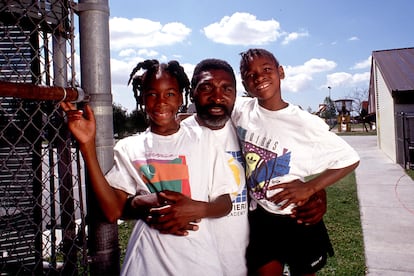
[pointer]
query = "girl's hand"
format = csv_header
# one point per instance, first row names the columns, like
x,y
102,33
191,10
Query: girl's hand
x,y
82,125
296,192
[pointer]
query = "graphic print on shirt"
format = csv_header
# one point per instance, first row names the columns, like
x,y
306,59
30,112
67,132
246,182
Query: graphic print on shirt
x,y
240,202
262,162
161,174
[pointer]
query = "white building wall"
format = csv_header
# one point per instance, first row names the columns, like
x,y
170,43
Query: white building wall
x,y
385,117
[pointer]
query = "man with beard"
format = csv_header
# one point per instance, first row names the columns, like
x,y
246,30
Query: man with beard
x,y
213,92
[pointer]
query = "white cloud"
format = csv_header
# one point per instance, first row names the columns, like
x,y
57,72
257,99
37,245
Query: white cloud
x,y
363,64
299,78
338,79
354,38
294,36
120,70
243,29
346,79
297,83
310,67
163,58
148,53
361,78
144,33
126,53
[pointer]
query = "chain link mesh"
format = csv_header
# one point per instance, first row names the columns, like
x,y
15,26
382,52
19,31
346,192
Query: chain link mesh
x,y
42,222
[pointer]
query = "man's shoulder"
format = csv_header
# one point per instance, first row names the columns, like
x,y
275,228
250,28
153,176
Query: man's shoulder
x,y
243,104
242,100
189,121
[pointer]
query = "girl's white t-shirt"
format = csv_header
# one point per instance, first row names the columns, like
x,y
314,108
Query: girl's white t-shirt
x,y
190,162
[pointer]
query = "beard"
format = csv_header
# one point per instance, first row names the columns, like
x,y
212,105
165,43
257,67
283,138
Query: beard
x,y
213,121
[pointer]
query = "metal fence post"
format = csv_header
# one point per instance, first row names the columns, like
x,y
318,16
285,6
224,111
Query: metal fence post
x,y
96,81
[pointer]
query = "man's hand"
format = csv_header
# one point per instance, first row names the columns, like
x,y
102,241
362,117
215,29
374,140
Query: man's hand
x,y
148,207
313,210
177,215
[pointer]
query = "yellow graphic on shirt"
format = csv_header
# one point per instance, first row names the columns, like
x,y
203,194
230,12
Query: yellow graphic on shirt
x,y
236,173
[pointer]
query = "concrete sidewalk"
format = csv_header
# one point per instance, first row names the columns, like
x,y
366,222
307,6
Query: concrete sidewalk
x,y
386,200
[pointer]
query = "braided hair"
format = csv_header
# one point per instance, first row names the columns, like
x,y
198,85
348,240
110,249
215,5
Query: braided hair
x,y
152,67
248,55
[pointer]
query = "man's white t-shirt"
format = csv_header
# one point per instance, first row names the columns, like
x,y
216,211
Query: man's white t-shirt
x,y
232,231
190,162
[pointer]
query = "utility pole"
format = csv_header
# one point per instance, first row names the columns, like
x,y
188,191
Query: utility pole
x,y
329,92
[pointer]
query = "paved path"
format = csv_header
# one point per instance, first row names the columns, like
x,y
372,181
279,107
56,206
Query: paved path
x,y
386,199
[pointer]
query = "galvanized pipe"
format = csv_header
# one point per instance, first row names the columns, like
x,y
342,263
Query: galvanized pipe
x,y
96,81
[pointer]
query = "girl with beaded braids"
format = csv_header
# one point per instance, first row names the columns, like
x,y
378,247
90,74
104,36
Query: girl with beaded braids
x,y
160,174
152,64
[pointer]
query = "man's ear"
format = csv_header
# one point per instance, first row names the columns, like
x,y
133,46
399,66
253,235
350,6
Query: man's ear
x,y
281,72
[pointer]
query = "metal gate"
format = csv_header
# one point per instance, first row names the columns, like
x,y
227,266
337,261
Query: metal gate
x,y
405,139
42,216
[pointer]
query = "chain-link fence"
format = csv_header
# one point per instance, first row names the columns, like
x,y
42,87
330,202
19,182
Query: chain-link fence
x,y
42,222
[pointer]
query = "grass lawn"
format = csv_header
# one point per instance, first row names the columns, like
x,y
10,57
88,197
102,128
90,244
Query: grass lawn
x,y
124,231
410,173
356,130
344,225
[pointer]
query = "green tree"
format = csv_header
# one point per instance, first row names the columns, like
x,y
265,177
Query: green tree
x,y
137,121
119,120
330,110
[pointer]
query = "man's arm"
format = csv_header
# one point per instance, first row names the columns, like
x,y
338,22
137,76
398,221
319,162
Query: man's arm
x,y
313,210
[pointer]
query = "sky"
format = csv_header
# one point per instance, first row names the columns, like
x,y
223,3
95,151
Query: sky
x,y
320,43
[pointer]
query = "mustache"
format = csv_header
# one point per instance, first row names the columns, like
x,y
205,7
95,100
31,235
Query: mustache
x,y
216,105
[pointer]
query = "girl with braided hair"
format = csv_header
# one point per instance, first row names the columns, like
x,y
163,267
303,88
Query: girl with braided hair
x,y
290,156
151,65
160,174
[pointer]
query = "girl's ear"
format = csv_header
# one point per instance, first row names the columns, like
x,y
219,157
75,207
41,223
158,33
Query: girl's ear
x,y
281,72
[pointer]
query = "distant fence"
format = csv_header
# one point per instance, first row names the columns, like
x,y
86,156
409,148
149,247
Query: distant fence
x,y
42,196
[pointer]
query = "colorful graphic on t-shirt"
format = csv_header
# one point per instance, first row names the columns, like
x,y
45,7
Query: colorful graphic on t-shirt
x,y
160,175
240,201
263,165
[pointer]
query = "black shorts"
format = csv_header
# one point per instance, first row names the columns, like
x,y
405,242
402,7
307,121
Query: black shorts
x,y
273,237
